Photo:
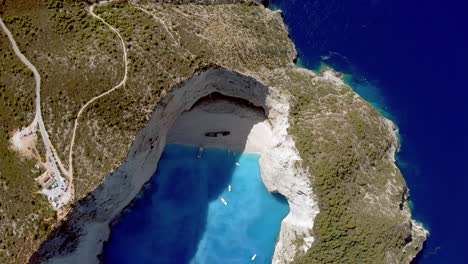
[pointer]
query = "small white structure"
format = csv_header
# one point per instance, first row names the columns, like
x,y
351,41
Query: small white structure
x,y
229,188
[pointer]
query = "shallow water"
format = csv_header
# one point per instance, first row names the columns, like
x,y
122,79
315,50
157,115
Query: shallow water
x,y
180,218
408,59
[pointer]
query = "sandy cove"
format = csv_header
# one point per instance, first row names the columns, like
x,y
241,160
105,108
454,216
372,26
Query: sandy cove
x,y
81,238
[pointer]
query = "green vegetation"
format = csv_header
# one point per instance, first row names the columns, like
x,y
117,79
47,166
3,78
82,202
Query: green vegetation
x,y
78,58
21,22
346,165
21,208
55,4
343,141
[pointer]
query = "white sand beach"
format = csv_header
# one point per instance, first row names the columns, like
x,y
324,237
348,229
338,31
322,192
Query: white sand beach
x,y
249,129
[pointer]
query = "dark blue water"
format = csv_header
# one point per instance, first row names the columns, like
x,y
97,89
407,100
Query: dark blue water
x,y
409,59
180,218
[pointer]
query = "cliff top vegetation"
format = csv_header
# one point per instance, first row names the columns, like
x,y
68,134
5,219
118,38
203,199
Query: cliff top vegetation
x,y
345,144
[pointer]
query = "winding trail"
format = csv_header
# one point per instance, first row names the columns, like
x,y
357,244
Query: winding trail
x,y
121,83
51,152
38,117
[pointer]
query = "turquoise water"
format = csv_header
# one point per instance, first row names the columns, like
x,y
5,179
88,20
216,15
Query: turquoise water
x,y
180,217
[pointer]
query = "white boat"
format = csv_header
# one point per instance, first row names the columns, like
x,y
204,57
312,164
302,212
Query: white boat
x,y
223,201
200,152
229,188
253,257
237,164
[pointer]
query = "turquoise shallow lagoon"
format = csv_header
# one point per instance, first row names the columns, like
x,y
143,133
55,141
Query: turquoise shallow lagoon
x,y
180,217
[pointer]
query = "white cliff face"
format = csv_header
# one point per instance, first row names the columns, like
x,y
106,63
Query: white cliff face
x,y
280,172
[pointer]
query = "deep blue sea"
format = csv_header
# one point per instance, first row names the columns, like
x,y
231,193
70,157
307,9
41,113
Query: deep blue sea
x,y
180,217
409,59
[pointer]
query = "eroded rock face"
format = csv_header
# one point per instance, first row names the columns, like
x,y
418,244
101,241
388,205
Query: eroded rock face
x,y
81,239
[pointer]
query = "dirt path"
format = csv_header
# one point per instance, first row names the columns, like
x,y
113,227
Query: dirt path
x,y
51,152
38,117
121,83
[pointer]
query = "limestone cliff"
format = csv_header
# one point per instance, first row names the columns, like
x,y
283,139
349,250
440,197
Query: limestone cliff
x,y
333,157
90,222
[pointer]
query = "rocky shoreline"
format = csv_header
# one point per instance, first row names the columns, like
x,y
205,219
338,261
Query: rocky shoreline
x,y
81,239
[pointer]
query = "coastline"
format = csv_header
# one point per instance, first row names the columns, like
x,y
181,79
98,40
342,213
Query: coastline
x,y
92,218
374,91
128,180
339,78
239,199
278,170
418,233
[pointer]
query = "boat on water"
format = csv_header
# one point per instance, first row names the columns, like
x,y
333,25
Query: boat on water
x,y
229,188
223,201
200,152
253,257
237,164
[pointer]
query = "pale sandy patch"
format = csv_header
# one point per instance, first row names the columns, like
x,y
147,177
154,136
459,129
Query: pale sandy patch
x,y
24,141
250,130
